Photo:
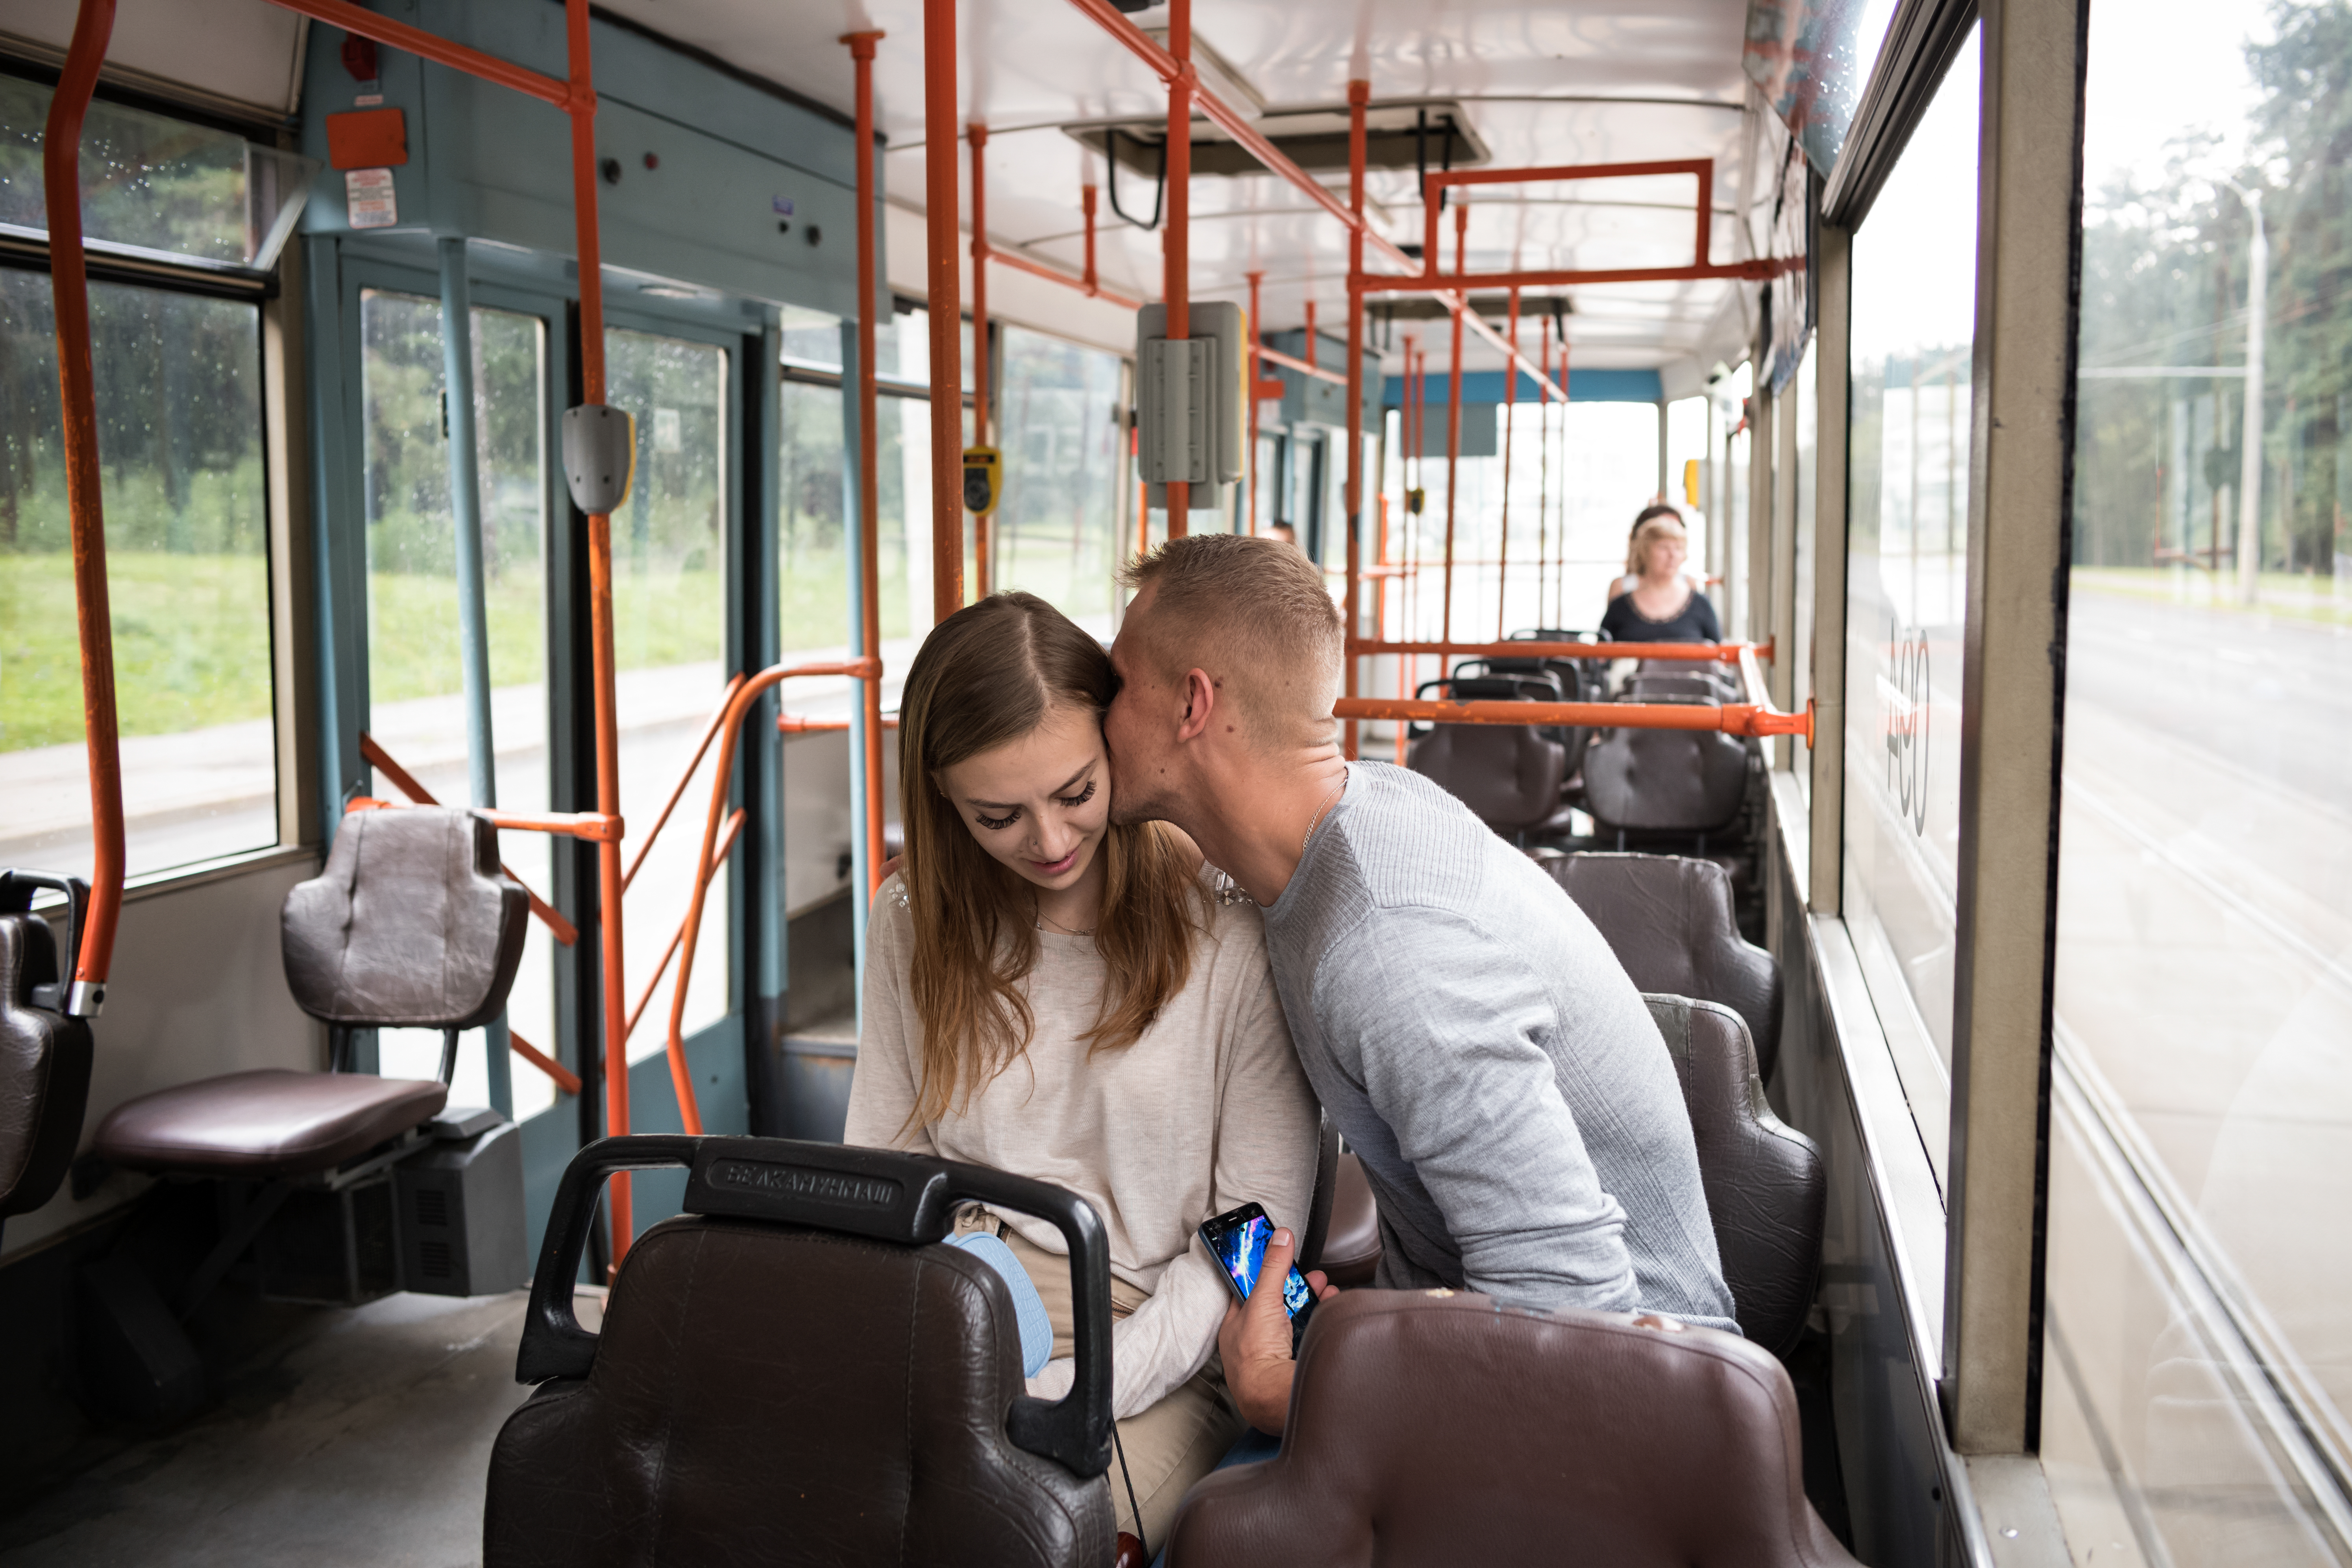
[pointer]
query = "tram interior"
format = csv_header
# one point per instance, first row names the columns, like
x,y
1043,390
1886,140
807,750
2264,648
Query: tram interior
x,y
474,479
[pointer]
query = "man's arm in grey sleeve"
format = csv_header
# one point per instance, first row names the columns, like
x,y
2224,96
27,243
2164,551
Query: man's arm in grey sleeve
x,y
1445,1033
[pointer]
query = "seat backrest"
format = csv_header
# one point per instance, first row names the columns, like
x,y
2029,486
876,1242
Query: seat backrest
x,y
1669,920
1508,775
411,924
1436,1427
795,1371
1767,1189
1644,687
1682,780
45,1064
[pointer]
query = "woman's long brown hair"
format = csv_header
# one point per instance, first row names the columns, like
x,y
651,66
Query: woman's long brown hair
x,y
986,677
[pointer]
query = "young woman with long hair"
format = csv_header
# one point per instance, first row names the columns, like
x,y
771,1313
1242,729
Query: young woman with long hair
x,y
1066,999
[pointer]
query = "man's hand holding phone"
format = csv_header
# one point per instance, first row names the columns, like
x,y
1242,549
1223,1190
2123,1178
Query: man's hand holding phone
x,y
1255,1341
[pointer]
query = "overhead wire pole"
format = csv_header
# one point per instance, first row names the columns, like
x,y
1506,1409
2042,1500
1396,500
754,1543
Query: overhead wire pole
x,y
981,544
1175,239
1360,93
85,499
869,427
1454,429
946,306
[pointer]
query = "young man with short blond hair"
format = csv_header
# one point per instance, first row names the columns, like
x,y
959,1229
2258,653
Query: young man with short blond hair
x,y
1466,1028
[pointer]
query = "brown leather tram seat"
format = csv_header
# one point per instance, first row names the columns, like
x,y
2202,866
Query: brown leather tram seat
x,y
1435,1429
411,924
1665,781
794,1371
45,1055
1669,920
1767,1189
1508,775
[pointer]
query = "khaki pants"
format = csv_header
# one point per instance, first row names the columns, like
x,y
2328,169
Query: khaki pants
x,y
1168,1447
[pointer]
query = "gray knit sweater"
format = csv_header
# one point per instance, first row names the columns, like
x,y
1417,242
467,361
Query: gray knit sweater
x,y
1483,1052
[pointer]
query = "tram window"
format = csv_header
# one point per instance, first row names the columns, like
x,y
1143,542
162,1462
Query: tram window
x,y
180,435
670,621
811,338
415,685
1056,411
2201,1116
902,350
154,182
1913,312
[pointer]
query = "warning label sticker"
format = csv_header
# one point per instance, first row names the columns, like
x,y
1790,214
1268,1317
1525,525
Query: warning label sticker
x,y
368,197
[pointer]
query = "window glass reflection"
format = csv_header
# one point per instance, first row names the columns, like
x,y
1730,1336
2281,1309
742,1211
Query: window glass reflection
x,y
2199,1355
187,534
1913,325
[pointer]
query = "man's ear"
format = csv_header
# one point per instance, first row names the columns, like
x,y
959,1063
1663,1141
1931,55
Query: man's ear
x,y
1200,704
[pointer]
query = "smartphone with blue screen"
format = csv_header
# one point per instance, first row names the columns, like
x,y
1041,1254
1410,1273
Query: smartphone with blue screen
x,y
1239,1238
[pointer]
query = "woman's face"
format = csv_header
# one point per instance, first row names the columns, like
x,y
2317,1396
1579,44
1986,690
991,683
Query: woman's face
x,y
1039,804
1663,556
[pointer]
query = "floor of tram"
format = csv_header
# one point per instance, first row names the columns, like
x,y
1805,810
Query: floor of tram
x,y
364,1437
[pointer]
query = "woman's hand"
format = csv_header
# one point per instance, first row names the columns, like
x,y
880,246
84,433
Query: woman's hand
x,y
1254,1342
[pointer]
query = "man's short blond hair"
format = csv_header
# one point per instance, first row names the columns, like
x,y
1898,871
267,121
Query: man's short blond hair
x,y
1255,613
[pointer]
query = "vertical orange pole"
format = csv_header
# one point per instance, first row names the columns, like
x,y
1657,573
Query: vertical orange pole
x,y
1256,369
1510,407
869,440
1086,205
983,533
1360,93
1543,477
1176,238
1310,334
582,109
85,501
939,202
1454,420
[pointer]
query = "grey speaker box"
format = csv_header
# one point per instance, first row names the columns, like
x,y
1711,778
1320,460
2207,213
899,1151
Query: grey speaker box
x,y
460,1205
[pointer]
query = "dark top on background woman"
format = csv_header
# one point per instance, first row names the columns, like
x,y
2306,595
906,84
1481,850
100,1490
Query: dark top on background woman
x,y
1696,622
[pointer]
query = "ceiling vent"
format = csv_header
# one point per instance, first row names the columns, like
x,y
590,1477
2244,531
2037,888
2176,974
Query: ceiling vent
x,y
1432,134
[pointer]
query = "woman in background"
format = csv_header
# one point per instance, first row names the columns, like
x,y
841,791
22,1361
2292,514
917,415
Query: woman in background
x,y
1656,600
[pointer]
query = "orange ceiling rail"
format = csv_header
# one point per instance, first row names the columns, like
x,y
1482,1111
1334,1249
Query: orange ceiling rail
x,y
1237,125
85,501
730,730
1429,279
1020,263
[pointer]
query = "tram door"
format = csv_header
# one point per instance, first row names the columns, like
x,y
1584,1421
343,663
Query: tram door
x,y
680,574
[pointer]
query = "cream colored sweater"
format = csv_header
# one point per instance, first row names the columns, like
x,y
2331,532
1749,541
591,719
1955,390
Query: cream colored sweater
x,y
1208,1110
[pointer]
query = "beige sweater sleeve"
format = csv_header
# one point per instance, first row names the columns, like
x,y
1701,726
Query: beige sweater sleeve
x,y
1265,1143
883,1088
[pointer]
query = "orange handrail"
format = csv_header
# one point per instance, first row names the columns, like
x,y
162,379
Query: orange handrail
x,y
85,499
566,1079
563,930
653,981
869,426
678,791
1684,652
1748,719
798,724
576,96
732,727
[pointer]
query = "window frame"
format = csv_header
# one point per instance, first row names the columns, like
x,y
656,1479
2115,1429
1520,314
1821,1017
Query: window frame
x,y
282,383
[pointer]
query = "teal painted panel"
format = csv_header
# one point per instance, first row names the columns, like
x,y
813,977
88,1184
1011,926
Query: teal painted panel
x,y
493,165
1311,399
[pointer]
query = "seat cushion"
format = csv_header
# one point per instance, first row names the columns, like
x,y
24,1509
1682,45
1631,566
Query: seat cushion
x,y
1508,774
410,924
270,1122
